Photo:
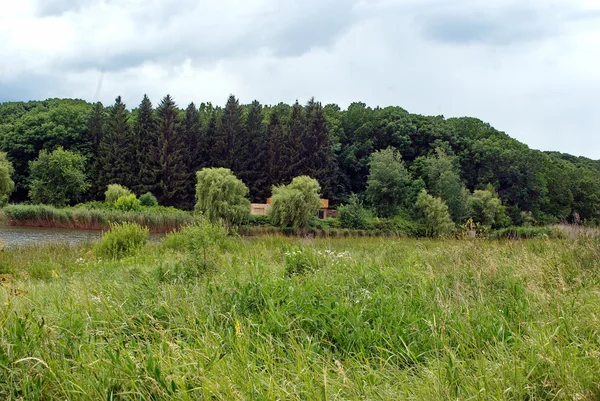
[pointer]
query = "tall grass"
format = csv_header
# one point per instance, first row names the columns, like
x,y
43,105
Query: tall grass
x,y
159,220
305,319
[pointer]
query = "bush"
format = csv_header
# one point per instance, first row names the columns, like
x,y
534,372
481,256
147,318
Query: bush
x,y
114,192
123,239
148,200
221,195
436,218
200,240
523,233
295,204
258,220
354,215
128,203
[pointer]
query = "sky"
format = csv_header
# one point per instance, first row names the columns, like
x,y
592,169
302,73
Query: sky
x,y
530,68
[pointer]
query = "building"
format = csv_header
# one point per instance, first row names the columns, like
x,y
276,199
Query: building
x,y
260,209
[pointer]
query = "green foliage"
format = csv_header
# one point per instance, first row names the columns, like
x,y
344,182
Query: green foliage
x,y
114,192
354,214
57,178
148,199
486,208
388,182
334,329
161,150
258,220
128,203
95,216
523,233
444,181
26,128
145,137
201,241
123,239
294,204
170,159
221,196
7,185
117,149
436,218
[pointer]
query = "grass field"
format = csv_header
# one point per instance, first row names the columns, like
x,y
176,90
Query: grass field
x,y
290,319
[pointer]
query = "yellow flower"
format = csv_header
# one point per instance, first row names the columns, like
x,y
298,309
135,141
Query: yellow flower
x,y
238,328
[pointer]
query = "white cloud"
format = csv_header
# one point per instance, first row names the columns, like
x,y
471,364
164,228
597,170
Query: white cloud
x,y
530,70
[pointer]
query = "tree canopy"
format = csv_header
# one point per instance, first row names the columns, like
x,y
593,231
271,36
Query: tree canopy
x,y
57,178
161,149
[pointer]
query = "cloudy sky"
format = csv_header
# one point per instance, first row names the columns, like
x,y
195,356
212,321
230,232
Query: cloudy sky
x,y
531,68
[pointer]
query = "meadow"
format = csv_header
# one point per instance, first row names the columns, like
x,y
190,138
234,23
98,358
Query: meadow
x,y
274,318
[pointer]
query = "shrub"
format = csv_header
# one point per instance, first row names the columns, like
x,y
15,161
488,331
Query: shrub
x,y
148,200
295,204
524,232
258,220
123,239
114,192
221,195
436,218
200,240
354,215
128,203
486,208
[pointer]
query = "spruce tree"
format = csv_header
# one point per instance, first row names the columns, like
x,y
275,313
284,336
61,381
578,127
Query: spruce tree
x,y
117,149
96,124
297,135
146,137
276,134
206,143
318,155
254,154
228,135
170,156
192,132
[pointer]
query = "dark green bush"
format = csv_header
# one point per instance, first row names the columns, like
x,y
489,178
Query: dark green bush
x,y
259,220
148,200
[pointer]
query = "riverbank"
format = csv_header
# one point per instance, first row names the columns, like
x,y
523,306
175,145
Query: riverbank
x,y
158,220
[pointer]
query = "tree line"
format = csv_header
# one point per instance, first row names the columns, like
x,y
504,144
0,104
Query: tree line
x,y
159,149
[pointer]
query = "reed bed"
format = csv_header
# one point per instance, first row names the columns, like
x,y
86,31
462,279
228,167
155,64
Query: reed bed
x,y
159,220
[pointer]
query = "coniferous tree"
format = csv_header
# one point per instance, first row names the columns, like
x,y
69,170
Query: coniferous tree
x,y
228,135
317,149
170,157
295,143
146,133
254,154
117,149
206,142
95,130
192,127
276,134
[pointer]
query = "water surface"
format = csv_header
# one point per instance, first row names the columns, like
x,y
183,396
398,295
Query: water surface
x,y
16,236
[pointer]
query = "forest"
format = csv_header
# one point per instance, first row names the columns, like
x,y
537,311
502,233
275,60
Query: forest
x,y
160,148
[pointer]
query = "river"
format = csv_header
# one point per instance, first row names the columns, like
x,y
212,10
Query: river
x,y
15,236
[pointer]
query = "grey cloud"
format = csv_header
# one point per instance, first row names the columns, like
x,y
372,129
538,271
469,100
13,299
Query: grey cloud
x,y
504,27
170,37
56,8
